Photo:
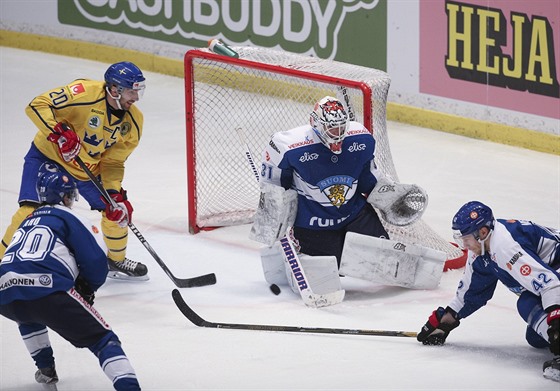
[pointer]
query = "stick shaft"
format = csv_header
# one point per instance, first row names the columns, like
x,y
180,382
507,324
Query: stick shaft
x,y
207,279
197,320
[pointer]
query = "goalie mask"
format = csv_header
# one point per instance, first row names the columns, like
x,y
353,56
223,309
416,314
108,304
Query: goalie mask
x,y
329,120
469,220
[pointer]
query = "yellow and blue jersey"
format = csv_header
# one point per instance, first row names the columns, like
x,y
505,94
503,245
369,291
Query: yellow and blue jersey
x,y
108,136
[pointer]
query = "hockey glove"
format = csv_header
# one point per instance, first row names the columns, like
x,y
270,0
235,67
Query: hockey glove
x,y
553,331
67,140
436,329
82,287
122,214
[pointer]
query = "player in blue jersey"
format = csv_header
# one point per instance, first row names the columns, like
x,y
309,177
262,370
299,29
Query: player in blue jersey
x,y
523,256
48,278
317,178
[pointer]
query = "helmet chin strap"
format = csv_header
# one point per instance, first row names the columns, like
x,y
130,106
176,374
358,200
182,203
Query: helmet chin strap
x,y
483,242
117,98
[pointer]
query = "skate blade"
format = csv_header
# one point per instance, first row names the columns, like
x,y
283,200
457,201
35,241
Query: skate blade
x,y
552,374
49,386
116,275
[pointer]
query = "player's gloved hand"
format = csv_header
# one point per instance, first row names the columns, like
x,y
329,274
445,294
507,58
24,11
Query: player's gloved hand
x,y
82,287
122,214
553,331
67,140
437,328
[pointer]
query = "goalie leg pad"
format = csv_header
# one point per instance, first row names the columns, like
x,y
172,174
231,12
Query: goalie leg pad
x,y
389,262
276,212
273,264
321,273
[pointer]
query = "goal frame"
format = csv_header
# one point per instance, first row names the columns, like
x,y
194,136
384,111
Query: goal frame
x,y
190,55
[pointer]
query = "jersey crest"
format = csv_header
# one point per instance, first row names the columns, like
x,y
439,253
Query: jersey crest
x,y
336,188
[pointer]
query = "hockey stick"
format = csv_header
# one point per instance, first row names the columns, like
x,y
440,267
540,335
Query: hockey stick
x,y
310,298
346,99
198,321
206,279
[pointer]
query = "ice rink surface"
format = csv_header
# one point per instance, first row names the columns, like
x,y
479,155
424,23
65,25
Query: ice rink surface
x,y
487,352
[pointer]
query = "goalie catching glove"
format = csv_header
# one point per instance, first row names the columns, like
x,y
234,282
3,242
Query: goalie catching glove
x,y
67,141
399,204
122,213
437,328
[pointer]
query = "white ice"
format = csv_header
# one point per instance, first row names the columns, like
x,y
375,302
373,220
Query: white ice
x,y
487,352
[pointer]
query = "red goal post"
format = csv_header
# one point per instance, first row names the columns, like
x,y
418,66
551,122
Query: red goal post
x,y
236,104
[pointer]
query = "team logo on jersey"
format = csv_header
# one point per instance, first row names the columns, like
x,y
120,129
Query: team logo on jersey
x,y
336,188
514,259
355,147
92,140
307,157
125,129
359,131
77,89
94,229
273,146
45,280
94,122
399,246
307,141
525,270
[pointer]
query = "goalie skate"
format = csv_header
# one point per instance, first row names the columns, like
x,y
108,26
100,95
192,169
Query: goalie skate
x,y
551,369
127,270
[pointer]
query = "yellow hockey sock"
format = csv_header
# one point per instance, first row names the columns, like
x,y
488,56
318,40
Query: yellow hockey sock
x,y
17,218
116,239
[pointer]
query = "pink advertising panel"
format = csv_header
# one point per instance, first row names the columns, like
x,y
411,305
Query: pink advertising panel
x,y
500,53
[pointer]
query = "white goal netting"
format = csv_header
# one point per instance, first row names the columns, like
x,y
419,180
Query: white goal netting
x,y
237,104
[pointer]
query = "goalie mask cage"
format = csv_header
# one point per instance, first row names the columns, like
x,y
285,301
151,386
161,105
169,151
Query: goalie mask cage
x,y
234,105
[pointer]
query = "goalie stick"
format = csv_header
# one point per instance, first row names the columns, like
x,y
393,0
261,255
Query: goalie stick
x,y
206,279
200,322
310,298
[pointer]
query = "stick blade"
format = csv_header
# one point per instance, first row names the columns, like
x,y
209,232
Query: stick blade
x,y
207,279
187,311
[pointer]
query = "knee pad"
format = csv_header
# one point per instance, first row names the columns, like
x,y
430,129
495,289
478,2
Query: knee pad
x,y
534,339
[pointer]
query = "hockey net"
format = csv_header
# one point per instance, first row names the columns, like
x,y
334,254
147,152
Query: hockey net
x,y
234,105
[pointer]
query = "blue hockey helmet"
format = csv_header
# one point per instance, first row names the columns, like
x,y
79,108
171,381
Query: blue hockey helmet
x,y
470,218
125,75
52,187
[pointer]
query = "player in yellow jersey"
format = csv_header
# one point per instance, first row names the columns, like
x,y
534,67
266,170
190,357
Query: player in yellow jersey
x,y
99,122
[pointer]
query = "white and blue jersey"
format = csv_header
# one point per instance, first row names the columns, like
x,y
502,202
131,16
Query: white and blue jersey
x,y
330,186
523,255
48,251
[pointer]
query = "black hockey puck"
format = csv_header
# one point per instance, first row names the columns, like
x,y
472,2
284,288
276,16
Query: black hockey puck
x,y
275,289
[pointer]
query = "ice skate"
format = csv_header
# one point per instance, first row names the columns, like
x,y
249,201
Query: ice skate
x,y
127,270
551,369
47,377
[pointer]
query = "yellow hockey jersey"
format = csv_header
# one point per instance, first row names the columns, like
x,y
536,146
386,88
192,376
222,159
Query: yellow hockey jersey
x,y
107,139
